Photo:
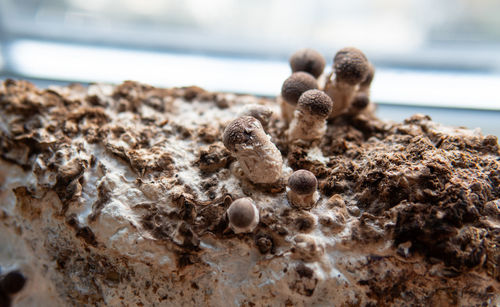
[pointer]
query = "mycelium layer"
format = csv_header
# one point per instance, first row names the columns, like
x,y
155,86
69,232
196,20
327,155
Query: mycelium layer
x,y
116,196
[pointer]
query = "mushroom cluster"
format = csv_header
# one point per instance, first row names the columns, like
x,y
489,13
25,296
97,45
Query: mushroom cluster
x,y
306,103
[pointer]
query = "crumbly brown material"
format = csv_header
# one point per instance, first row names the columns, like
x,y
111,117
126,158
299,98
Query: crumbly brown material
x,y
124,189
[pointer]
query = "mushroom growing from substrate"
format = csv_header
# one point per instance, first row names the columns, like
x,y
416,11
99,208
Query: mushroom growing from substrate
x,y
309,121
258,157
351,68
261,112
293,87
307,60
243,215
362,96
302,193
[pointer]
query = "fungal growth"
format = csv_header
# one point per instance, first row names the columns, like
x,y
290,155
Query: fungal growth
x,y
309,122
260,112
302,189
362,97
243,215
351,67
293,87
258,157
13,282
309,61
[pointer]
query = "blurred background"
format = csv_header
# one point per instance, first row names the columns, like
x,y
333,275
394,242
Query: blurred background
x,y
441,58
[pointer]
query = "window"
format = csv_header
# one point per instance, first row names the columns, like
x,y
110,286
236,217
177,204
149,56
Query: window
x,y
428,54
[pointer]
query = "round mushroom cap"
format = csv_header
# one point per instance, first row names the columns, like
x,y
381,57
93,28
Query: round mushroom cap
x,y
296,84
13,282
369,76
350,65
241,212
242,130
316,102
303,182
308,60
360,101
260,112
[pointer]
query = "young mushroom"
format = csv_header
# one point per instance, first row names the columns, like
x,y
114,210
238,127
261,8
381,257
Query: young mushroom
x,y
302,189
308,60
351,68
258,157
12,282
362,97
292,88
261,112
243,215
309,122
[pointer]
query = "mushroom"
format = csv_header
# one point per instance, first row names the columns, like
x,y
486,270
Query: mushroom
x,y
261,112
351,68
309,122
362,97
309,61
258,157
243,215
302,189
292,88
13,282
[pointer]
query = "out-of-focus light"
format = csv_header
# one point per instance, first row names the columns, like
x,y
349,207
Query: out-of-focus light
x,y
259,77
1,59
96,64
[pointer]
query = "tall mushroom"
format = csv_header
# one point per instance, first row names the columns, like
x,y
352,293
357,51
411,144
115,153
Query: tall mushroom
x,y
292,88
309,122
351,68
259,158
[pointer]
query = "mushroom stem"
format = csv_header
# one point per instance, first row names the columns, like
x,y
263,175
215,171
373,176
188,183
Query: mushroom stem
x,y
341,93
262,162
306,127
286,110
303,201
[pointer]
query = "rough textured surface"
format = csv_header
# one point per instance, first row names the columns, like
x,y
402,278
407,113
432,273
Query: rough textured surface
x,y
116,196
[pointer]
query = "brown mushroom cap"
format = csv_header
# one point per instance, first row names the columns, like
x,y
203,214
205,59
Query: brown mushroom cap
x,y
369,76
260,112
360,101
241,131
350,65
296,84
13,282
241,212
316,102
308,60
303,182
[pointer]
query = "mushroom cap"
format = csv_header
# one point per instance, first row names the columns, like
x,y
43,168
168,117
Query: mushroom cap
x,y
369,76
316,102
260,112
308,60
350,65
241,212
360,101
242,130
13,282
303,182
296,84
